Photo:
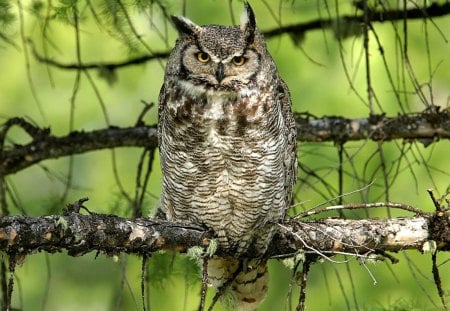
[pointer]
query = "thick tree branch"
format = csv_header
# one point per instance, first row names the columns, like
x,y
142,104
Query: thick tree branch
x,y
427,127
52,147
296,30
80,234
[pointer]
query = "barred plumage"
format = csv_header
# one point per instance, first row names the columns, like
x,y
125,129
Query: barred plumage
x,y
227,145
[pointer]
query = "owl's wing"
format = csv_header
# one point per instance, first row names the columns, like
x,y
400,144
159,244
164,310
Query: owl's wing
x,y
160,212
290,155
162,100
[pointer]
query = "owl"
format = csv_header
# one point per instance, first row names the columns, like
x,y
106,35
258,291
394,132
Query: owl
x,y
227,140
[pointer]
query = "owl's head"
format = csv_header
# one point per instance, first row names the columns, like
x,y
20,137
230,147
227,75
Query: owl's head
x,y
219,57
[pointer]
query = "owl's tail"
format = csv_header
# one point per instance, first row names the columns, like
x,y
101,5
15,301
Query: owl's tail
x,y
246,281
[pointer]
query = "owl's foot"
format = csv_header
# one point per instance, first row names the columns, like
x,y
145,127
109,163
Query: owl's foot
x,y
292,262
212,247
198,252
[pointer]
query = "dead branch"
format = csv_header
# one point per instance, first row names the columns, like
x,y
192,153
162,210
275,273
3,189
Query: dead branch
x,y
80,234
427,127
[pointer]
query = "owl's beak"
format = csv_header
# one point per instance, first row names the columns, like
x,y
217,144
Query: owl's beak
x,y
219,73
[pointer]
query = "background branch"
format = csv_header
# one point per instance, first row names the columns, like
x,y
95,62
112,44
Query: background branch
x,y
427,127
434,10
295,30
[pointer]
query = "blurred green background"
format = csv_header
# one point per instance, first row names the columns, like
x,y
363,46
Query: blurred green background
x,y
314,69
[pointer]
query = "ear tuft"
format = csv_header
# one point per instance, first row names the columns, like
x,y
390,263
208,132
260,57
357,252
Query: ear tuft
x,y
248,23
185,25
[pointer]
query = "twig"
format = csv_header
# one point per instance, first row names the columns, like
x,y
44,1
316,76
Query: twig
x,y
308,247
144,276
108,66
303,282
437,280
204,287
352,206
435,202
12,269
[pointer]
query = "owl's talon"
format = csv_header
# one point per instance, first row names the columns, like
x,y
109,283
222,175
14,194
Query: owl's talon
x,y
198,252
212,248
292,262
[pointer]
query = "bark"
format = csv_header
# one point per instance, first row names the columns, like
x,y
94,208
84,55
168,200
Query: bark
x,y
80,234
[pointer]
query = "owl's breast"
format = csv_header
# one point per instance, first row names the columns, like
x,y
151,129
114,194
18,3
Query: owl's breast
x,y
222,158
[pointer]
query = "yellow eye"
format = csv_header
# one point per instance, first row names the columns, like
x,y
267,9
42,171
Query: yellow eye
x,y
239,60
203,57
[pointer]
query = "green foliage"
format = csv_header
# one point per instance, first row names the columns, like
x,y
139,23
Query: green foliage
x,y
37,6
115,19
112,16
7,19
64,12
165,265
6,15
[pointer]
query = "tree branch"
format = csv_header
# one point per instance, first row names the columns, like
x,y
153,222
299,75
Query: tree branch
x,y
80,234
52,147
110,66
427,127
296,30
434,10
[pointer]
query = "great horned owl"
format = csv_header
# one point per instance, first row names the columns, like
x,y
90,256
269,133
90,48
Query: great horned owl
x,y
227,142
